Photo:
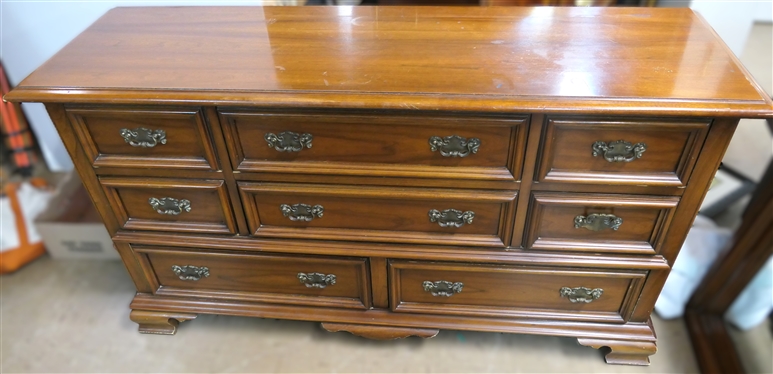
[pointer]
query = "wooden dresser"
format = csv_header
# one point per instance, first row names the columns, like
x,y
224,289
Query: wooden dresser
x,y
394,171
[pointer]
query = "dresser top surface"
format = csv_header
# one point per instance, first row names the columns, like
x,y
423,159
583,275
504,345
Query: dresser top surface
x,y
638,60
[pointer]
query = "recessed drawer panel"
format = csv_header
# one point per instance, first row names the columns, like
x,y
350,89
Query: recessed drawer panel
x,y
379,214
646,152
514,291
140,138
307,280
429,147
599,223
170,204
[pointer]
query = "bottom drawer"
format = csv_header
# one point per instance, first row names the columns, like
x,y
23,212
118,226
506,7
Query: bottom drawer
x,y
514,291
286,279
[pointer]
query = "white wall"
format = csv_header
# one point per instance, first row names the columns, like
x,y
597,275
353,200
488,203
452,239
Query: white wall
x,y
32,31
733,19
764,11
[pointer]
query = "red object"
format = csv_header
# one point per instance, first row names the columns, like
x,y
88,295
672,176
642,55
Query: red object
x,y
16,131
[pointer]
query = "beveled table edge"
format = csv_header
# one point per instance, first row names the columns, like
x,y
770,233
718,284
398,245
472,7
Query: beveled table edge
x,y
399,101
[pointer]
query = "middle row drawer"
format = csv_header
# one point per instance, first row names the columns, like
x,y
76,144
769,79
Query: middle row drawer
x,y
379,214
555,221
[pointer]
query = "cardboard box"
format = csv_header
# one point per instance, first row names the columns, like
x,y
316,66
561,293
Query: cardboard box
x,y
71,227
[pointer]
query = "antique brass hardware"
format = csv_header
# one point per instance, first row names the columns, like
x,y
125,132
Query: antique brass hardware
x,y
301,212
168,205
581,294
317,280
142,137
598,222
451,217
454,146
190,272
289,141
443,288
618,151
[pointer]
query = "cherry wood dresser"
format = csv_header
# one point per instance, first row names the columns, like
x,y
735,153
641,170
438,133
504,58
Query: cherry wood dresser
x,y
392,171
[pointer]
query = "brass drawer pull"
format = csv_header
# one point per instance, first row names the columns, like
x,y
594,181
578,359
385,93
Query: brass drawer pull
x,y
598,222
301,212
451,217
190,272
581,294
289,141
619,151
454,146
171,206
443,288
317,280
142,137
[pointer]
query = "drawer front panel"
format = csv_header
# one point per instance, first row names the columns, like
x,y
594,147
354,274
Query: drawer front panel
x,y
309,280
599,223
138,138
514,291
379,214
170,204
620,152
433,147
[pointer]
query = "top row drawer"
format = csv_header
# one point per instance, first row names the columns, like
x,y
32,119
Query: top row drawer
x,y
400,146
167,139
585,150
650,152
395,145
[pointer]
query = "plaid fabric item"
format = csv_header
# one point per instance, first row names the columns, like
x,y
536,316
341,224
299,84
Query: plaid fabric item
x,y
18,137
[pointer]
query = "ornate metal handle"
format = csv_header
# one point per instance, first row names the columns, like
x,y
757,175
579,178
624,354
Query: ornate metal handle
x,y
454,146
443,288
289,141
301,212
317,280
190,272
142,137
619,151
581,294
171,206
451,217
598,222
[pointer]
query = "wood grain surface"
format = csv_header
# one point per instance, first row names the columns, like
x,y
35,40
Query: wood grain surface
x,y
377,145
645,60
272,278
394,251
187,143
671,149
513,291
210,208
379,213
645,222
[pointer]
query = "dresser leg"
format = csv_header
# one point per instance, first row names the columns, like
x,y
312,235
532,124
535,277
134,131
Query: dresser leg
x,y
164,323
623,352
380,332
